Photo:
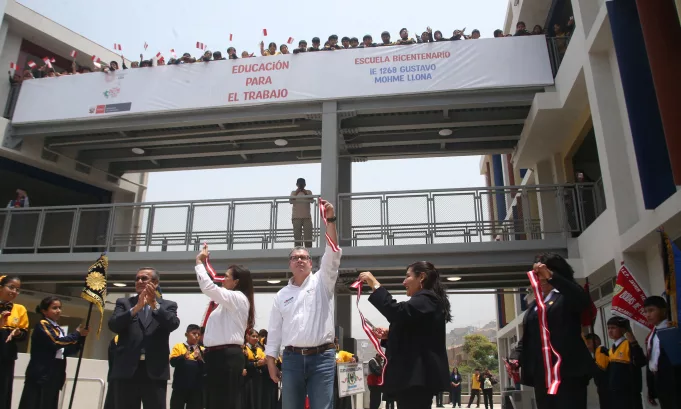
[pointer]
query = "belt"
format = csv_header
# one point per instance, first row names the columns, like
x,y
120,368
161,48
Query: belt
x,y
143,357
309,350
219,347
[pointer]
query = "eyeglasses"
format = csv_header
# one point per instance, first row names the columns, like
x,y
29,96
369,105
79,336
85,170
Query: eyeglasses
x,y
143,279
296,258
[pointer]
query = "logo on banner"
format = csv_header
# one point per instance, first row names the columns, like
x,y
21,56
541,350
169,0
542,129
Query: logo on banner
x,y
629,297
112,93
111,108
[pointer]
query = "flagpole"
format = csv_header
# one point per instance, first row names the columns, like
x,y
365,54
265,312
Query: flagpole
x,y
80,356
593,320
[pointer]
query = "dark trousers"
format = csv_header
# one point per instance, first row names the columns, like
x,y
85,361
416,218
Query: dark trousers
x,y
571,395
668,388
224,378
140,390
6,383
474,393
374,397
414,398
187,398
625,400
603,398
438,398
455,396
39,396
109,401
487,394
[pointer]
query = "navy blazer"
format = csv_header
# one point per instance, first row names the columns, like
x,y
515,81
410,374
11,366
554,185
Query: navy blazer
x,y
564,311
416,346
46,340
134,336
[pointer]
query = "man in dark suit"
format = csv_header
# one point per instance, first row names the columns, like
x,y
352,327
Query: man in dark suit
x,y
565,300
140,360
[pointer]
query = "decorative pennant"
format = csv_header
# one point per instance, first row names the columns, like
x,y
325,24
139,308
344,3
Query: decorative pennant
x,y
369,330
95,286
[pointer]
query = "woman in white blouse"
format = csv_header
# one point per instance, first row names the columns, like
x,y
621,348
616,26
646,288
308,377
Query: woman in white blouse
x,y
225,329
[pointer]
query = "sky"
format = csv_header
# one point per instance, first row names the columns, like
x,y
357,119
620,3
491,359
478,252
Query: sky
x,y
179,24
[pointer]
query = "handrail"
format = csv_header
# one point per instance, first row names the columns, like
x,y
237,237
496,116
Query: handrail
x,y
463,189
101,382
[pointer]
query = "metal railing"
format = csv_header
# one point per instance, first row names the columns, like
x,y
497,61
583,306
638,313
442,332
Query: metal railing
x,y
12,98
365,219
557,48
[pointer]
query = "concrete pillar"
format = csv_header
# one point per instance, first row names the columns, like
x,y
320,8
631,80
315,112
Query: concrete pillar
x,y
660,25
344,317
329,177
344,205
650,146
551,215
613,141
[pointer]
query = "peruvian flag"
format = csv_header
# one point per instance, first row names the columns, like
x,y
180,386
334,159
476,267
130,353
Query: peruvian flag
x,y
158,55
31,64
230,36
629,297
264,32
118,47
172,52
12,66
145,46
47,61
200,45
290,40
74,53
95,61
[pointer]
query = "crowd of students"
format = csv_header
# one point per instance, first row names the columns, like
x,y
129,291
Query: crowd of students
x,y
331,44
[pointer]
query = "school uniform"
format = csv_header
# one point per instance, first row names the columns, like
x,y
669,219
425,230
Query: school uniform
x,y
663,379
223,339
187,378
455,392
46,371
602,359
624,375
253,381
17,319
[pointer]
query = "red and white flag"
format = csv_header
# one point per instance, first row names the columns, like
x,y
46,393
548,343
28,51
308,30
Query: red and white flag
x,y
264,32
172,52
230,36
52,59
290,40
12,66
118,47
159,55
32,64
95,61
629,297
145,46
47,62
200,45
74,53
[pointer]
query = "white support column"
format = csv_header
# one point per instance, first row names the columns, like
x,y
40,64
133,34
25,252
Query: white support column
x,y
344,206
550,214
329,177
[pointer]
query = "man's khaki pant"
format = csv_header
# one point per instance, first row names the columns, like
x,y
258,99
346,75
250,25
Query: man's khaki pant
x,y
302,232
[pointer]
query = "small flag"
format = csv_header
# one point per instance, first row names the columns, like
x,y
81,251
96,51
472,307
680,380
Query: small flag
x,y
12,66
145,46
172,52
47,62
230,36
74,53
52,59
95,286
264,32
118,47
200,45
290,40
158,55
94,58
32,64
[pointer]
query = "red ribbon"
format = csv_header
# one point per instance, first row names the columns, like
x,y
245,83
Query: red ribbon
x,y
215,277
368,330
322,210
551,370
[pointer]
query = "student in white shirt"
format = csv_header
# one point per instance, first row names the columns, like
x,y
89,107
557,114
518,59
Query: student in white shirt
x,y
225,330
302,322
663,379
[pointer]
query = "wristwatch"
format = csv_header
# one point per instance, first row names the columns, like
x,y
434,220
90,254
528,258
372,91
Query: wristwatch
x,y
331,219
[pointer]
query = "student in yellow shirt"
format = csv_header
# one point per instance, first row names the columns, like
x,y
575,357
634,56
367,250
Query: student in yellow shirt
x,y
255,372
13,329
187,359
475,388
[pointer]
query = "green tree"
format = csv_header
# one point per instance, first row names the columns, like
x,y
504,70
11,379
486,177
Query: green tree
x,y
481,353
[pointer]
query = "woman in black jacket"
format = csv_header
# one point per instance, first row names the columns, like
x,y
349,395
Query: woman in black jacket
x,y
416,367
455,392
564,300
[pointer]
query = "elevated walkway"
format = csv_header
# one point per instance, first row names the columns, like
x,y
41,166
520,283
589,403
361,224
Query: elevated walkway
x,y
379,231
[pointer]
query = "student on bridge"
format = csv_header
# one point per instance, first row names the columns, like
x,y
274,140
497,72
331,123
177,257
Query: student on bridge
x,y
415,341
13,329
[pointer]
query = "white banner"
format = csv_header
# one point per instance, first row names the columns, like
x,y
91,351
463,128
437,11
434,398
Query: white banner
x,y
350,379
381,71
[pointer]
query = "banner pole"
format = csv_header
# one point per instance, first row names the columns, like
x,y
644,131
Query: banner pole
x,y
80,357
